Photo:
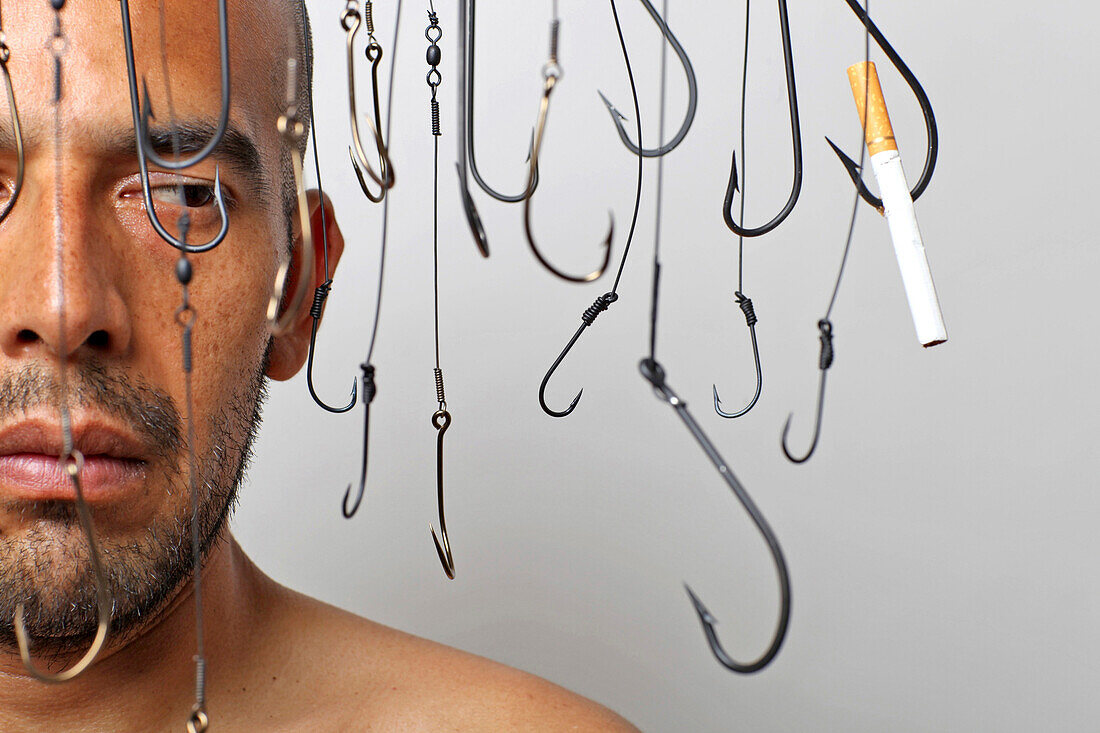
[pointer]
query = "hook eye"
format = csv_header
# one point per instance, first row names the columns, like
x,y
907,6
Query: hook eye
x,y
441,420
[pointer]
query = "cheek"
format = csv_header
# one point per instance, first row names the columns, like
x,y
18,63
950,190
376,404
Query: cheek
x,y
230,290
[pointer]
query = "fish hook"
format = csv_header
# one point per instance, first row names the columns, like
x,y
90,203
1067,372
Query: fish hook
x,y
73,463
473,219
292,130
368,393
825,360
750,318
931,130
693,97
145,150
315,311
551,72
601,304
350,20
470,49
796,140
654,373
144,113
17,130
441,420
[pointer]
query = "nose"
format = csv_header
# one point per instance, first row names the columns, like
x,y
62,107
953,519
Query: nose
x,y
59,294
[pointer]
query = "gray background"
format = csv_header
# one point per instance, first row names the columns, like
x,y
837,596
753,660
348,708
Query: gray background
x,y
941,542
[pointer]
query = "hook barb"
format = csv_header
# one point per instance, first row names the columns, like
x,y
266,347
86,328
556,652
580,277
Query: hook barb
x,y
796,142
693,97
931,130
654,373
73,464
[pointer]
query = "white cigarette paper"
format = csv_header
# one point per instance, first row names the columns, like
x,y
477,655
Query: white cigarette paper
x,y
924,305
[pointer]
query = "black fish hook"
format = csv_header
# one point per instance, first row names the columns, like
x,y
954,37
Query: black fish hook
x,y
796,139
473,219
145,113
441,420
750,318
693,97
369,391
587,319
145,150
470,49
825,360
655,374
320,295
931,130
315,311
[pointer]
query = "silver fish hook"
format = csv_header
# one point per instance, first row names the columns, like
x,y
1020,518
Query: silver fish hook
x,y
17,129
551,73
73,463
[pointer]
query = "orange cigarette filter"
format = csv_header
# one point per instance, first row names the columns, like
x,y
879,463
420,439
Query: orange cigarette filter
x,y
863,78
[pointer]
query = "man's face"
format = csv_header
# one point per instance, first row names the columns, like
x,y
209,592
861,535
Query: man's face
x,y
114,278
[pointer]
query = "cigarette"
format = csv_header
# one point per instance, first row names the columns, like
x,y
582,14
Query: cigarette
x,y
924,305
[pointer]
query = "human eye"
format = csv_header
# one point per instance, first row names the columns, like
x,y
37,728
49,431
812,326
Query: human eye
x,y
190,194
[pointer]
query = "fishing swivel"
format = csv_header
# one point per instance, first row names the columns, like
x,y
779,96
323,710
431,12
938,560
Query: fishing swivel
x,y
853,168
825,360
551,73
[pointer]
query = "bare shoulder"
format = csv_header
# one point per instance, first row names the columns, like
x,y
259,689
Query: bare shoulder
x,y
366,676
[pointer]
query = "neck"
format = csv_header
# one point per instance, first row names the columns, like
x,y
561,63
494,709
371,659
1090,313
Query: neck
x,y
155,666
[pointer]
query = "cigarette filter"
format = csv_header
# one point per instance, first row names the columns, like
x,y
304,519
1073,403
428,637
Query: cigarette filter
x,y
924,305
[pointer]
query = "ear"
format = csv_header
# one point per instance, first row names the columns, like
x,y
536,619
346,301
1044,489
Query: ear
x,y
289,351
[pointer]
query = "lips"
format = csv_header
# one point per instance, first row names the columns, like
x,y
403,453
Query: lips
x,y
114,461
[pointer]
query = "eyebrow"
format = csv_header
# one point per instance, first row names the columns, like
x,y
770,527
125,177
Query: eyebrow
x,y
236,149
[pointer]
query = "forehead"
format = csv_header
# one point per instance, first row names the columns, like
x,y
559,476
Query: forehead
x,y
261,36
